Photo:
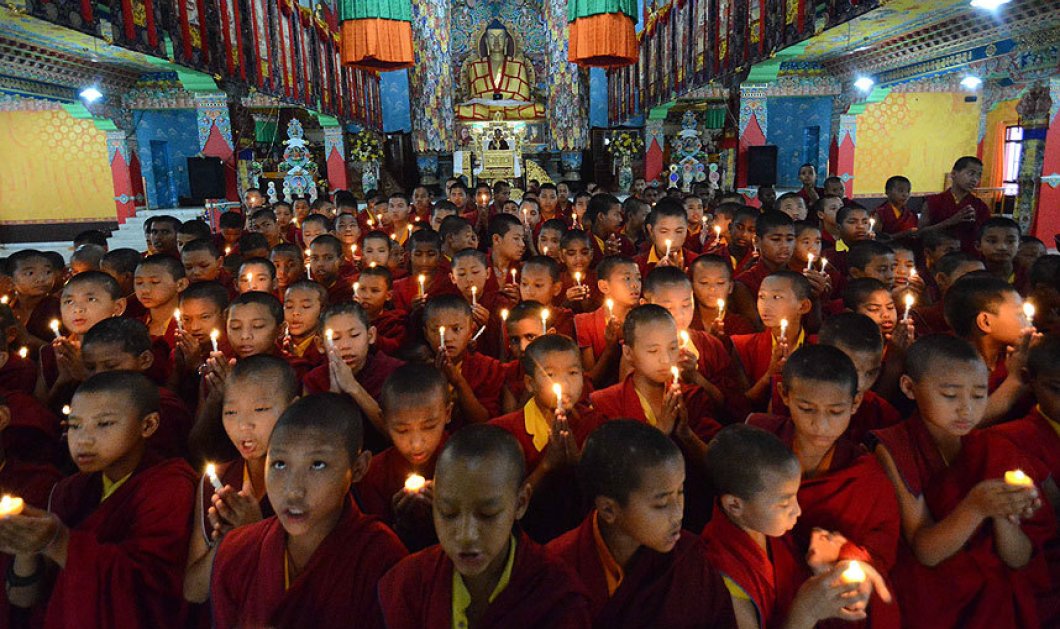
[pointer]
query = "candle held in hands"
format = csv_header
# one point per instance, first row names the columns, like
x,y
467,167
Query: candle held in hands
x,y
177,318
513,277
685,338
1028,311
669,244
54,325
414,483
329,336
853,574
211,474
423,284
784,328
441,336
11,505
676,373
721,309
23,352
544,320
610,308
578,278
1018,478
474,296
216,334
909,301
809,261
557,390
504,314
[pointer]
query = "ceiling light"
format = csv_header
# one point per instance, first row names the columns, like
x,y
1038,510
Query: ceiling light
x,y
989,5
90,94
971,82
864,83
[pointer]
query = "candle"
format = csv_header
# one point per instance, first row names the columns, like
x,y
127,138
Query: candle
x,y
513,277
809,261
353,250
909,300
721,309
824,263
578,278
1018,478
10,505
546,250
356,288
176,317
610,308
717,232
23,352
1028,311
912,272
557,390
66,409
544,321
783,328
676,374
423,284
441,335
228,251
872,224
414,483
409,233
54,325
371,223
308,272
329,336
474,296
669,243
216,334
4,300
211,473
853,574
504,314
685,338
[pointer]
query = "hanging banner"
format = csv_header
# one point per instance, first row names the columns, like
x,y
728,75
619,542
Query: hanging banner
x,y
287,45
191,35
723,30
75,14
756,30
305,48
260,32
232,39
136,26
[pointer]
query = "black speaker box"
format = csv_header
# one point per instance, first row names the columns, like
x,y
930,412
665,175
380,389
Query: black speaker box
x,y
207,178
761,165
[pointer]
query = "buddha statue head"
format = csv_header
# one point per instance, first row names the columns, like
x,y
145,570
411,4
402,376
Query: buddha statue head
x,y
496,42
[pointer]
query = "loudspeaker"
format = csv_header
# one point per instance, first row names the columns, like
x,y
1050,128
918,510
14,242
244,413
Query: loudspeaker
x,y
761,165
207,178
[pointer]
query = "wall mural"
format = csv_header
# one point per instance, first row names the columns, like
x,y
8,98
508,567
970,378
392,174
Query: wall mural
x,y
523,19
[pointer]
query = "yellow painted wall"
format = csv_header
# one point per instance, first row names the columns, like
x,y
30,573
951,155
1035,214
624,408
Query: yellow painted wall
x,y
1002,115
53,167
918,135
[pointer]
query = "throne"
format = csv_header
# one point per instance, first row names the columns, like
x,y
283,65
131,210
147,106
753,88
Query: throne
x,y
493,163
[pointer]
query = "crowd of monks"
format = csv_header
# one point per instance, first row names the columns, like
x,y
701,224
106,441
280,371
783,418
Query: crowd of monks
x,y
462,409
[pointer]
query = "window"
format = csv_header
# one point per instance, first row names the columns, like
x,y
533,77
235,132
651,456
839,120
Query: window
x,y
1013,149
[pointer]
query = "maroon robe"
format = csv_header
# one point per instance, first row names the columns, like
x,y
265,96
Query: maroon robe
x,y
377,368
406,289
835,501
230,473
35,433
133,308
541,592
39,320
336,588
973,588
895,220
715,363
340,291
390,327
582,424
18,373
677,589
930,319
485,375
734,324
1034,435
771,579
125,557
626,247
590,329
386,476
944,205
753,277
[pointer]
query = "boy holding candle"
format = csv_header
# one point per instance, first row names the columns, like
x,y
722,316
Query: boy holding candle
x,y
507,246
354,367
740,242
257,391
264,222
257,274
325,257
868,296
319,559
854,227
523,325
482,574
202,308
576,256
869,258
303,303
33,304
998,243
604,221
115,536
757,479
775,233
551,429
471,276
289,261
712,286
476,379
987,312
425,261
548,239
697,220
968,535
416,410
372,292
398,206
159,280
826,210
456,235
820,389
667,230
639,567
599,332
783,300
539,281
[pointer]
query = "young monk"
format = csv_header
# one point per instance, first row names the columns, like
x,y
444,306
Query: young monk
x,y
324,261
576,258
539,281
667,231
783,300
757,479
956,210
111,545
33,304
997,243
604,221
482,574
203,262
775,233
416,410
202,308
639,567
121,265
425,256
968,535
257,391
289,261
599,332
257,274
476,379
354,367
820,389
303,304
159,281
712,285
319,559
373,291
895,218
931,318
987,312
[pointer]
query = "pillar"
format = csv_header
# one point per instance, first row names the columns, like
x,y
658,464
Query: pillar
x,y
654,146
215,135
567,85
1034,110
335,156
431,79
118,155
1045,224
754,122
845,142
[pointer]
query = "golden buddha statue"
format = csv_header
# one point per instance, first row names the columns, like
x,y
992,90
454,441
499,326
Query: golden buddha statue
x,y
499,83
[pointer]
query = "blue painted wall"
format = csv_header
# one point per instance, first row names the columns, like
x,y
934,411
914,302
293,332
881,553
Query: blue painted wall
x,y
166,137
597,97
801,129
394,92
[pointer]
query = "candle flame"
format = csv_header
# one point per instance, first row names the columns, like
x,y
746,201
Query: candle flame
x,y
211,469
909,300
329,334
545,314
4,299
215,334
414,483
676,374
504,314
685,338
1028,310
853,574
66,409
10,505
1018,477
23,352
